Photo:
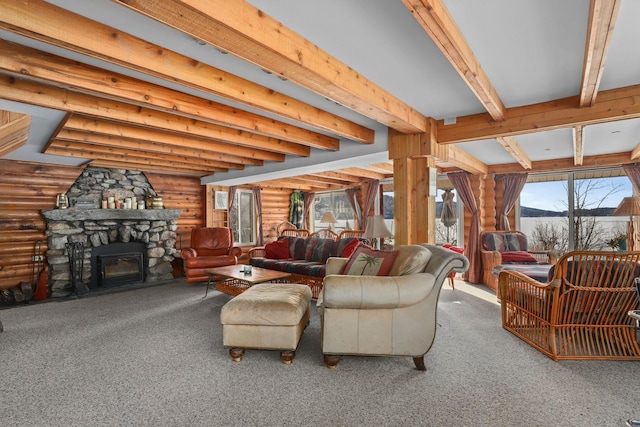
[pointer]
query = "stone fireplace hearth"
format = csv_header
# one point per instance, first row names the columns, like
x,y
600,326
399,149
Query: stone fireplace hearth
x,y
96,227
154,229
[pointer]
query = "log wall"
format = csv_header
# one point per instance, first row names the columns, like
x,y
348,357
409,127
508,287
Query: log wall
x,y
27,188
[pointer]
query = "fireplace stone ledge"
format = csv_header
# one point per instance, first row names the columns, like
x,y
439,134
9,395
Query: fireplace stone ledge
x,y
111,214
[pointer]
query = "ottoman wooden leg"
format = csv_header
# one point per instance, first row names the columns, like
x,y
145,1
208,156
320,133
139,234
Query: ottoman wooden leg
x,y
331,361
287,356
236,354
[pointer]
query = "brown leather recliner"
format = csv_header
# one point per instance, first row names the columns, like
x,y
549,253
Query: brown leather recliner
x,y
210,247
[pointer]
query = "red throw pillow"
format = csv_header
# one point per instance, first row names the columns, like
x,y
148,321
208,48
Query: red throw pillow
x,y
518,257
350,248
454,249
277,250
369,262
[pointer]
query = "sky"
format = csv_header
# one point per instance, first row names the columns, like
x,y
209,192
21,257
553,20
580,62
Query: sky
x,y
552,196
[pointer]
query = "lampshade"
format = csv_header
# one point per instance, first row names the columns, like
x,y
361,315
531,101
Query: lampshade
x,y
376,227
328,218
629,206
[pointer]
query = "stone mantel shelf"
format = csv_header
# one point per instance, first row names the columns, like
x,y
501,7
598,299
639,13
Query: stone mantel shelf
x,y
111,214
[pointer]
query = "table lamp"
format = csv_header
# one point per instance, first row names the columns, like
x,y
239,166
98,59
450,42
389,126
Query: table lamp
x,y
328,218
377,229
629,206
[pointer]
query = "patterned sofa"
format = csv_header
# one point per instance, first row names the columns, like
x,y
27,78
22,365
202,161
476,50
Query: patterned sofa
x,y
509,250
304,257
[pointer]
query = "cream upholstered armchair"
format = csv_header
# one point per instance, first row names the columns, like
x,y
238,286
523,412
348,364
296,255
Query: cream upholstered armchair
x,y
392,315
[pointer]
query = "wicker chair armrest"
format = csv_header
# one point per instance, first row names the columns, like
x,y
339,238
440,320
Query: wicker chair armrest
x,y
528,294
545,256
257,252
490,259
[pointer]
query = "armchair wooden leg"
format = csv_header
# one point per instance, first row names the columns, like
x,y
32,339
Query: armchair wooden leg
x,y
287,356
236,354
419,362
331,361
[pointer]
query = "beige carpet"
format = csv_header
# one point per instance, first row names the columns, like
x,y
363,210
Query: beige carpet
x,y
153,357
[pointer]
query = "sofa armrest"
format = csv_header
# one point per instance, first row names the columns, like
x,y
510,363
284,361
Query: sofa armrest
x,y
335,265
235,251
375,292
188,253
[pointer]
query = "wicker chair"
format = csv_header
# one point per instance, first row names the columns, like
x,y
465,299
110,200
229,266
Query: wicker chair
x,y
295,232
284,225
351,233
325,233
494,243
582,312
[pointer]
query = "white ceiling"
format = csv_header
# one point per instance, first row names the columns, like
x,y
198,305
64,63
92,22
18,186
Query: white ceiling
x,y
531,50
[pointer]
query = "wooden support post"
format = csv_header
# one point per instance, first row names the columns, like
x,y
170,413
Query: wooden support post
x,y
414,209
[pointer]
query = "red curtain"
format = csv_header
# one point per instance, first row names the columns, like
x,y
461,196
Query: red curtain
x,y
513,184
351,198
633,172
462,184
371,191
257,197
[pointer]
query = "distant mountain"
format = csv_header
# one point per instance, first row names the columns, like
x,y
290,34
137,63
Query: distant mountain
x,y
533,212
525,212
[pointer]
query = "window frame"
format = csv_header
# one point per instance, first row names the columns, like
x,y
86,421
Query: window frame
x,y
237,205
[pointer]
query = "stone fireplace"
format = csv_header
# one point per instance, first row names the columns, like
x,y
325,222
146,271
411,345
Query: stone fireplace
x,y
105,232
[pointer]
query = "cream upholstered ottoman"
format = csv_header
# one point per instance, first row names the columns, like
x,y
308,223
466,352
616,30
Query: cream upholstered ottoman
x,y
267,316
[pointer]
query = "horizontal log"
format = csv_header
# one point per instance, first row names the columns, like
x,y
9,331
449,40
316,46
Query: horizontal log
x,y
22,236
15,260
25,202
23,215
59,172
12,190
36,180
16,248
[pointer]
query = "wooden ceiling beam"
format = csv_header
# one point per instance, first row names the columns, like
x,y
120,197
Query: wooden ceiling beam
x,y
386,168
86,124
291,184
465,161
512,147
434,18
42,21
318,179
33,93
578,145
152,147
60,72
129,153
347,178
98,153
14,132
123,164
613,105
566,164
602,18
363,173
239,28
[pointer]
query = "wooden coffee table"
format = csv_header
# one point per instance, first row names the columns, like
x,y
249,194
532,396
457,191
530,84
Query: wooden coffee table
x,y
236,281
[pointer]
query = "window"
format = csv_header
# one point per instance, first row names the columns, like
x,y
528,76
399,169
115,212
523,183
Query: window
x,y
336,202
447,222
242,218
572,211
